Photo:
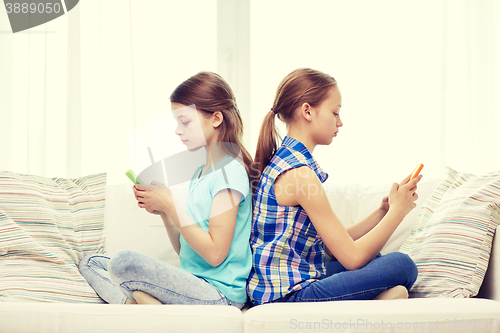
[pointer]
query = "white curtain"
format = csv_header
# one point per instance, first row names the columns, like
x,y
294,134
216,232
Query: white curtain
x,y
470,138
419,79
73,89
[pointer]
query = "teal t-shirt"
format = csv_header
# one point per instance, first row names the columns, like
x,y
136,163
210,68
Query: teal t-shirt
x,y
231,275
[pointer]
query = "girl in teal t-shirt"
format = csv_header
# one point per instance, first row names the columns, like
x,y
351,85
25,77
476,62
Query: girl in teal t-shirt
x,y
212,235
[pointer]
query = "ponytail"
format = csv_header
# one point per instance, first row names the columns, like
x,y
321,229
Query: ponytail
x,y
267,144
303,85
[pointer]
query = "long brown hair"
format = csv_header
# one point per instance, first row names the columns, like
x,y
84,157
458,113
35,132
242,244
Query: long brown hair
x,y
303,85
209,92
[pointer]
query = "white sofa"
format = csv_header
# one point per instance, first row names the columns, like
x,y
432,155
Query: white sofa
x,y
129,227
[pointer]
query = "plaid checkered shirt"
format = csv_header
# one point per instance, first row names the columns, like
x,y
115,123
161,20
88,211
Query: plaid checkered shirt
x,y
288,253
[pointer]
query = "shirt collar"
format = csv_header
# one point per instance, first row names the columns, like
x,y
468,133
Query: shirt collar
x,y
310,160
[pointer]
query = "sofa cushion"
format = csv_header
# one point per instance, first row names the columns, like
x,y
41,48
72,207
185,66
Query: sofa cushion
x,y
452,238
403,315
112,318
46,227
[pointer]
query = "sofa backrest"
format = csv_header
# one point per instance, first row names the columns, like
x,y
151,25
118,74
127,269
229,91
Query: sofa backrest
x,y
353,202
130,227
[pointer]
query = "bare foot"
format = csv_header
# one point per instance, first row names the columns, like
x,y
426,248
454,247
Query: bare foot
x,y
129,301
397,292
143,298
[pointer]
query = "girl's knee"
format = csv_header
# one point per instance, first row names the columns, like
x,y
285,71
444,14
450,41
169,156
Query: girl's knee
x,y
121,262
407,267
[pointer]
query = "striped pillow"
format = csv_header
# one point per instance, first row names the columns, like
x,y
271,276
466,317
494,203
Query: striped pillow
x,y
451,240
46,227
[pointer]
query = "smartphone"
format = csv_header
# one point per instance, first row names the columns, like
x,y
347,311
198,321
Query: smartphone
x,y
133,177
416,172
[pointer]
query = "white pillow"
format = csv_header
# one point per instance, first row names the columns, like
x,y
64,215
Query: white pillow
x,y
46,227
451,240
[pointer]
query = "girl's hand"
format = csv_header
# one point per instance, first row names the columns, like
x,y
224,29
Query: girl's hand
x,y
384,206
155,212
403,197
155,198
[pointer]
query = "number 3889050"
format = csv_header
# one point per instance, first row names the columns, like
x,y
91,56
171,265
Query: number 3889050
x,y
25,8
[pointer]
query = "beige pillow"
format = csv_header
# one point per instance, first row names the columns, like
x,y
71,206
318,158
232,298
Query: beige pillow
x,y
46,227
451,240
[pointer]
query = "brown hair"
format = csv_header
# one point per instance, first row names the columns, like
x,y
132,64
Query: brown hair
x,y
303,85
209,92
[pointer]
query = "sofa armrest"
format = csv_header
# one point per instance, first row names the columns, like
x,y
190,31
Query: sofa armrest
x,y
491,284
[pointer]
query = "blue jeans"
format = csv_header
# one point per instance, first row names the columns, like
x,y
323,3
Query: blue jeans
x,y
382,273
115,279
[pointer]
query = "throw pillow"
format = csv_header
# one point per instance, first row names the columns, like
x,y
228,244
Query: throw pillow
x,y
46,227
452,238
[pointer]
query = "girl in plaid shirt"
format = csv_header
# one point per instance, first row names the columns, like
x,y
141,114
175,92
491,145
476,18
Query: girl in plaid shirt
x,y
293,225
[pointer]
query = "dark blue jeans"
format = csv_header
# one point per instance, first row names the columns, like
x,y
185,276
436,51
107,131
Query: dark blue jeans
x,y
382,273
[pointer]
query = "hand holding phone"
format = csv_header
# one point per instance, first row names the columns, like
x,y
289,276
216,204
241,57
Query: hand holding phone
x,y
415,172
133,177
